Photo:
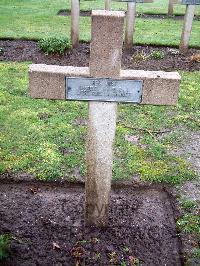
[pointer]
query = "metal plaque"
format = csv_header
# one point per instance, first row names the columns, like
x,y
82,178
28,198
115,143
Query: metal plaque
x,y
190,2
104,89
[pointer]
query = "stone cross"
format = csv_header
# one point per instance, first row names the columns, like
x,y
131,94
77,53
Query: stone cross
x,y
130,19
187,25
171,7
104,72
75,13
107,4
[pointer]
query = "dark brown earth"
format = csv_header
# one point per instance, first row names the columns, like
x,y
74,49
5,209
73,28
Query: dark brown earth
x,y
139,57
87,13
47,222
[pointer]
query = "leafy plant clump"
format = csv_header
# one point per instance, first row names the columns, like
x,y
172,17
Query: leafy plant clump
x,y
157,55
196,253
4,245
188,205
54,45
140,56
190,221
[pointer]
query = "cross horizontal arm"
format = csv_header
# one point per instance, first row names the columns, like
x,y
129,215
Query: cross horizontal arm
x,y
48,82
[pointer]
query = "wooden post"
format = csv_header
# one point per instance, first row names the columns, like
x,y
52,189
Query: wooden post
x,y
130,24
187,28
171,8
75,12
105,61
107,4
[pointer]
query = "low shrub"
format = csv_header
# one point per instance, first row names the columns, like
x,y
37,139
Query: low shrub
x,y
157,55
54,45
140,56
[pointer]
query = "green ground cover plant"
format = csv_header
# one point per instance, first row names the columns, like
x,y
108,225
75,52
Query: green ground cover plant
x,y
189,224
157,55
53,45
196,253
46,138
4,245
188,205
36,20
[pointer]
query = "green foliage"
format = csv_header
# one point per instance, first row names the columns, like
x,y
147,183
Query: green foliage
x,y
54,45
4,245
188,205
196,253
189,223
140,56
157,55
29,21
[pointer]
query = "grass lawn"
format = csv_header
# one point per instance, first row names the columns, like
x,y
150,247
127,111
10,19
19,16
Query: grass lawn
x,y
158,7
47,138
35,19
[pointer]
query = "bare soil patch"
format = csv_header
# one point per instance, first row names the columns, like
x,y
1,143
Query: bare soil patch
x,y
87,13
139,57
47,221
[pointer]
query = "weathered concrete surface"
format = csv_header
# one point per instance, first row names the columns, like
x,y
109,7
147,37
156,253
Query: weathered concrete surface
x,y
99,157
159,88
106,45
48,81
105,61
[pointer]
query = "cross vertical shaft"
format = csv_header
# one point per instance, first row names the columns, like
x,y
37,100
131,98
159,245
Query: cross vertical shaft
x,y
105,62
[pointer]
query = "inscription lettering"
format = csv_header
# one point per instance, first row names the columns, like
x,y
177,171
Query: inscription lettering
x,y
103,89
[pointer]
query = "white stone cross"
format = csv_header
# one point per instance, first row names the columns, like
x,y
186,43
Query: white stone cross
x,y
187,25
130,19
171,7
75,13
158,88
107,4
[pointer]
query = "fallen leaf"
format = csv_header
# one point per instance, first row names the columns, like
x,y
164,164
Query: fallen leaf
x,y
77,252
33,190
